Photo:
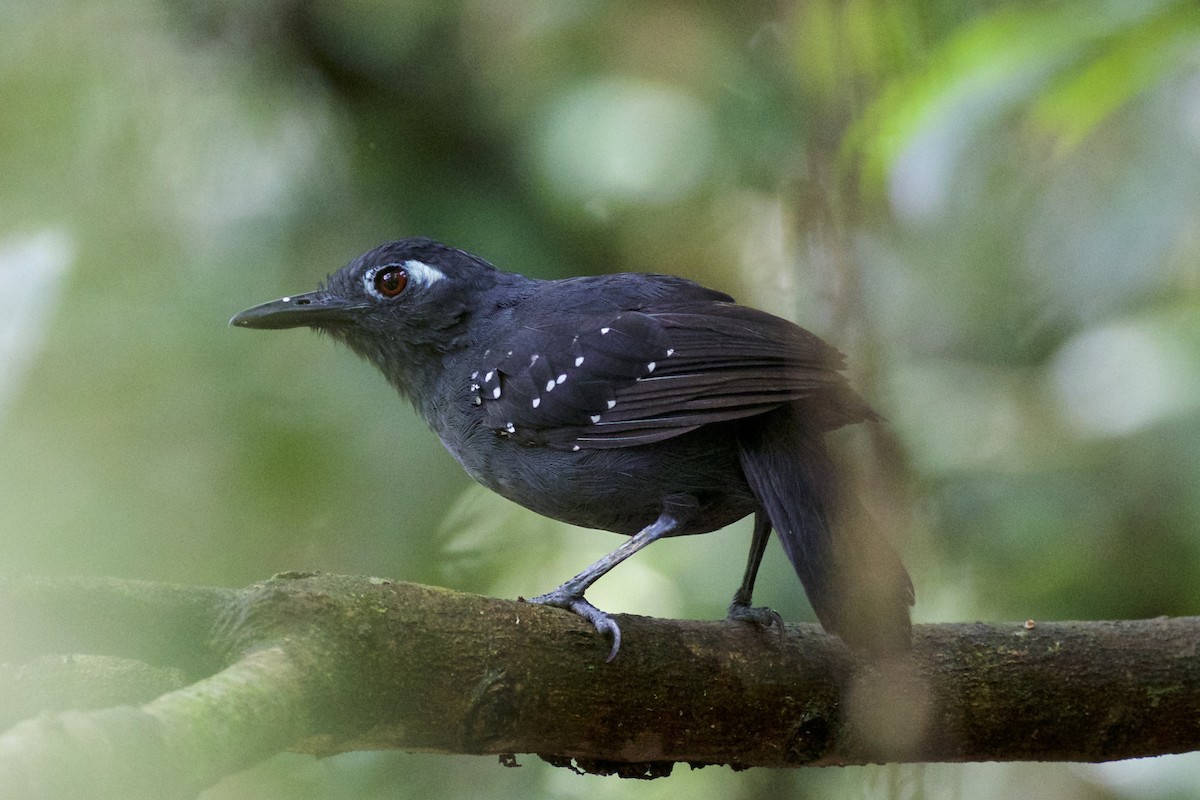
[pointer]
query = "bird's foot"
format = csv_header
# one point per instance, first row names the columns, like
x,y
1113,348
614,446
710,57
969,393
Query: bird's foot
x,y
741,611
601,621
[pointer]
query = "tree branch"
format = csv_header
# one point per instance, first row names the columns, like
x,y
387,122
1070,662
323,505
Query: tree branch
x,y
324,664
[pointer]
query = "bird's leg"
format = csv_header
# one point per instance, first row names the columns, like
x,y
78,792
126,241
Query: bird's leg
x,y
740,608
570,594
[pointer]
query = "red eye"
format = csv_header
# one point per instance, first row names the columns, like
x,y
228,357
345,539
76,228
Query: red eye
x,y
390,281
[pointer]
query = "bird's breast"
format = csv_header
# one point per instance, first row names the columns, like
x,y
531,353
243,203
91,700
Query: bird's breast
x,y
616,489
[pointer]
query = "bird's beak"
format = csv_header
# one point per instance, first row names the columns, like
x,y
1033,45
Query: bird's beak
x,y
315,309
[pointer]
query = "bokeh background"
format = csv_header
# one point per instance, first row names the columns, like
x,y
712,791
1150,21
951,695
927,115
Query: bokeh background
x,y
992,207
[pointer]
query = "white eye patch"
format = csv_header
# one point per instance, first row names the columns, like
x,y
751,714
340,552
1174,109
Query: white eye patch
x,y
389,280
423,273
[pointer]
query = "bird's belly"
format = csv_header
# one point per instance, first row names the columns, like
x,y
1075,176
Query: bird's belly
x,y
620,489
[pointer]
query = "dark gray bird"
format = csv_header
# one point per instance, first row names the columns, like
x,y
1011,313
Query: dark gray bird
x,y
642,404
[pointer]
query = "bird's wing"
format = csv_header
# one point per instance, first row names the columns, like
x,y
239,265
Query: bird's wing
x,y
634,377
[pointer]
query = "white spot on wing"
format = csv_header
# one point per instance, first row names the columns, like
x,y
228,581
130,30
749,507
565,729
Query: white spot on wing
x,y
574,448
285,299
561,378
579,361
550,385
650,367
488,377
604,331
612,403
474,374
537,401
533,359
670,351
496,393
595,418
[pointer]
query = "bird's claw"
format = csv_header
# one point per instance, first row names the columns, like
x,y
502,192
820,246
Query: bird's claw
x,y
601,621
758,615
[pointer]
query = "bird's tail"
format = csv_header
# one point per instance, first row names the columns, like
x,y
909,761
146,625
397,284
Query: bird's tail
x,y
853,576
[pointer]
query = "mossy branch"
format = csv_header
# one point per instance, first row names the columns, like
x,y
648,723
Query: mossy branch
x,y
187,684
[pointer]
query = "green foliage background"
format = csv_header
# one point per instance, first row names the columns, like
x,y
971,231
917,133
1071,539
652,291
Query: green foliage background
x,y
992,207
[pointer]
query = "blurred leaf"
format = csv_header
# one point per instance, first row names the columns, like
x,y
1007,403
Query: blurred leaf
x,y
992,66
1131,60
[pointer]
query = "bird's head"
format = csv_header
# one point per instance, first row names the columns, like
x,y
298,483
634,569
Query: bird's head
x,y
399,306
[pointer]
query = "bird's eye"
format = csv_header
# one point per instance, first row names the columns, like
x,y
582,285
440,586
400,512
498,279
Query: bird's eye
x,y
390,281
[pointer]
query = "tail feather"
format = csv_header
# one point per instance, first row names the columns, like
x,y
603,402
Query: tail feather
x,y
853,576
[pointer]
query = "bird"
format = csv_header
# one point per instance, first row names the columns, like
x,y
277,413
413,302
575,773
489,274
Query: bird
x,y
638,403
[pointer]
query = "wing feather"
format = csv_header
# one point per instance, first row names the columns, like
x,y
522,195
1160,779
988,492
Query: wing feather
x,y
633,377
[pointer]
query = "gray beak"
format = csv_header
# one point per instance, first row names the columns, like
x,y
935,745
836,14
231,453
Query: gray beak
x,y
314,309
